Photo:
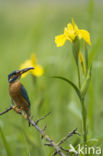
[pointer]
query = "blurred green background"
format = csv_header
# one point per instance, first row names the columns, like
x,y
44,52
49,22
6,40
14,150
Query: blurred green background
x,y
27,27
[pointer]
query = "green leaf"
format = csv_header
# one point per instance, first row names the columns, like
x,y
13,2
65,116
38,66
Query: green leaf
x,y
90,110
69,82
92,142
90,13
90,7
76,48
94,50
85,84
6,145
96,142
100,142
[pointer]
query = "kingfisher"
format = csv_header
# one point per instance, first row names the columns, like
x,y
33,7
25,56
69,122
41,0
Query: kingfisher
x,y
18,93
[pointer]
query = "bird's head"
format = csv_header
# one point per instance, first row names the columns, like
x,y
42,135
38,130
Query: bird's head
x,y
15,75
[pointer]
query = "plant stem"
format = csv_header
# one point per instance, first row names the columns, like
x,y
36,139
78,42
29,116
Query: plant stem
x,y
86,57
84,121
83,110
78,76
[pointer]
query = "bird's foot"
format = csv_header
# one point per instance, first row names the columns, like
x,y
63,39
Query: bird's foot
x,y
18,110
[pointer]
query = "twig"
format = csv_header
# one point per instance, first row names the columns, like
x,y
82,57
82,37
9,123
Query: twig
x,y
37,121
47,138
47,144
54,153
68,135
63,140
7,110
58,149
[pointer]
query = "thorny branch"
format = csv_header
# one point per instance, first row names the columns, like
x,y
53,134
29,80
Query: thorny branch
x,y
68,135
57,146
8,109
64,139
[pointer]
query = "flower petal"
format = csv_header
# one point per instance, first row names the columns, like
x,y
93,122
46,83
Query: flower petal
x,y
68,34
60,40
38,71
75,27
71,31
70,27
85,35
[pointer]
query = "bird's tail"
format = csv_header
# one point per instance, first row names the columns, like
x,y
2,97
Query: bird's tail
x,y
29,117
29,122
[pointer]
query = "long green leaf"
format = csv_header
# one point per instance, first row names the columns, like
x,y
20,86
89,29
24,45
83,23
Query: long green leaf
x,y
90,13
94,50
5,143
90,110
71,83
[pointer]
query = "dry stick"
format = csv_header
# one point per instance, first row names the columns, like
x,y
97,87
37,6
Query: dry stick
x,y
47,138
64,139
41,131
68,135
37,121
67,151
58,149
8,109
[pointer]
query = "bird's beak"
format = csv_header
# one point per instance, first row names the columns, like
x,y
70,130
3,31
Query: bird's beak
x,y
20,72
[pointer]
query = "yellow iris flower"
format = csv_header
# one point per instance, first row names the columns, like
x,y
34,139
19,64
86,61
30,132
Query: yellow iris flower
x,y
70,33
38,71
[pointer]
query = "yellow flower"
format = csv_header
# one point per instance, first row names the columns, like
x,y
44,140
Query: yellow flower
x,y
60,40
38,71
70,33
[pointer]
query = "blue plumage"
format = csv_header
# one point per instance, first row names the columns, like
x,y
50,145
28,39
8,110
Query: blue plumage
x,y
24,94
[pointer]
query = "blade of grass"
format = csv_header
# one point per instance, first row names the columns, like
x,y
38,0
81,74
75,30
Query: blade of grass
x,y
90,13
94,50
6,145
90,110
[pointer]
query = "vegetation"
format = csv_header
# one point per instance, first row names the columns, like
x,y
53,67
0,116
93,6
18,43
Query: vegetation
x,y
27,29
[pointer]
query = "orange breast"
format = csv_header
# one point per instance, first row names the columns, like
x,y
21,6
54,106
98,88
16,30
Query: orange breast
x,y
15,93
14,88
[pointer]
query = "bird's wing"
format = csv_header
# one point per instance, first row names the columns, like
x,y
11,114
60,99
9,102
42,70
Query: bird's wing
x,y
24,94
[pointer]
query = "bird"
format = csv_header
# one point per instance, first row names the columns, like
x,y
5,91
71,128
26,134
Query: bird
x,y
18,94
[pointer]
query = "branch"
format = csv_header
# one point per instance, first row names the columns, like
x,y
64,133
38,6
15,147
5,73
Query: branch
x,y
37,121
63,140
7,110
68,136
58,149
47,138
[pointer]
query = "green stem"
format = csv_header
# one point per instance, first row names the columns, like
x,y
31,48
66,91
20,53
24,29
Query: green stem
x,y
84,121
86,57
83,109
78,76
